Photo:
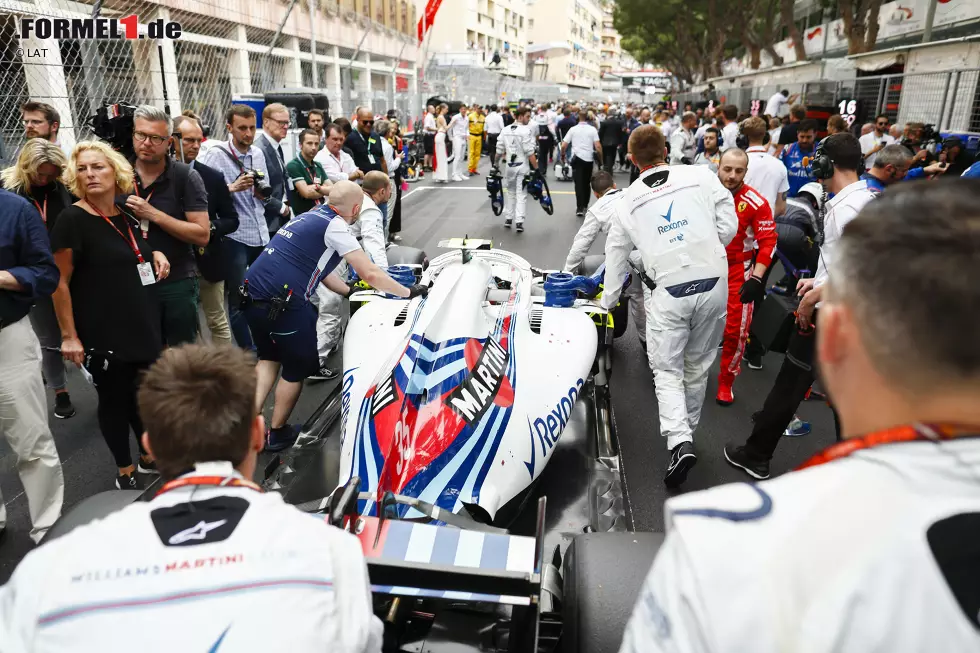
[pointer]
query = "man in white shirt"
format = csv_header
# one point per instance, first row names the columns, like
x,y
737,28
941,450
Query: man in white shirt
x,y
871,544
338,165
683,146
583,141
729,130
429,136
766,173
459,131
774,106
494,125
369,227
876,140
211,554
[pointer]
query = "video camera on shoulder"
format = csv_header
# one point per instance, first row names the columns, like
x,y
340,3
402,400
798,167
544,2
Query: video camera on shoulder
x,y
113,123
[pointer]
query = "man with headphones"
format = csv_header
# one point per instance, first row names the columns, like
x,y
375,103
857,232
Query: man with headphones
x,y
836,164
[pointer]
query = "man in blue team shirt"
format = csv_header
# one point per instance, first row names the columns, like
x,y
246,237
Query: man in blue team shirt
x,y
893,164
278,287
797,156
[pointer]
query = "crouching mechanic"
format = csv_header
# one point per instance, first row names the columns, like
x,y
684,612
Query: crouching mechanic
x,y
515,151
680,218
871,545
597,220
211,561
749,256
303,254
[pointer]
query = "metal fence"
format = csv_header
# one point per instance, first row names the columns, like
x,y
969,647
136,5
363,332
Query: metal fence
x,y
950,100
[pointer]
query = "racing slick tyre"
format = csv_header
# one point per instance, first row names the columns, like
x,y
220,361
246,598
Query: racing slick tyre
x,y
621,312
601,581
98,506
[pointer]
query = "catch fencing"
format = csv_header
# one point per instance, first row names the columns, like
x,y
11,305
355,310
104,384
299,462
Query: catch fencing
x,y
949,100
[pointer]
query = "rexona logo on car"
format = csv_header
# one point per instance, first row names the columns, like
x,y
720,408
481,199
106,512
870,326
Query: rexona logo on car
x,y
549,428
475,394
97,28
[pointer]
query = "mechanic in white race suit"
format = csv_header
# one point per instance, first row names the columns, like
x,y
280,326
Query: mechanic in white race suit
x,y
597,220
211,563
515,151
680,218
872,544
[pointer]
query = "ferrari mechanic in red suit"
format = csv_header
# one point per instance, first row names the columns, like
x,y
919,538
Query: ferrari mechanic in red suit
x,y
749,254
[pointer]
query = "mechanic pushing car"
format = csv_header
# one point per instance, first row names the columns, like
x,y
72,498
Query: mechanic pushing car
x,y
277,290
211,562
749,256
680,218
515,151
871,545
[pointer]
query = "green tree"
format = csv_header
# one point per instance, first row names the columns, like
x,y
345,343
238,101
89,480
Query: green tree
x,y
860,23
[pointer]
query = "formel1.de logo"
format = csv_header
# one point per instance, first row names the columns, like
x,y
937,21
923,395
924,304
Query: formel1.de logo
x,y
97,28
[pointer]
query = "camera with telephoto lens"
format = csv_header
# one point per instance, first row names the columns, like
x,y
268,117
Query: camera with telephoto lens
x,y
261,185
113,123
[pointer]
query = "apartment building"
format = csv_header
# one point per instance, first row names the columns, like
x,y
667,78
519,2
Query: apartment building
x,y
612,57
579,23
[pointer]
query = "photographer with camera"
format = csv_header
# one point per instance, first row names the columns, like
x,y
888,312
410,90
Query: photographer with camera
x,y
954,156
244,169
171,205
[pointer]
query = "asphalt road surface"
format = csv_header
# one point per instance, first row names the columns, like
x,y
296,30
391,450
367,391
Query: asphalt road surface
x,y
433,212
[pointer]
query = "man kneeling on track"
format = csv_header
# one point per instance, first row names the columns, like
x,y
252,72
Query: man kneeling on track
x,y
277,290
211,562
597,220
680,218
871,545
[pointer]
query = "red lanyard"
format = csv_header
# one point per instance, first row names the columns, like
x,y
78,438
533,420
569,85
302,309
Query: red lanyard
x,y
136,187
213,481
131,241
907,433
43,211
655,165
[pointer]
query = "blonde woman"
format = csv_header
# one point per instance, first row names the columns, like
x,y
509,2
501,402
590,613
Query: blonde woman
x,y
36,176
105,301
441,172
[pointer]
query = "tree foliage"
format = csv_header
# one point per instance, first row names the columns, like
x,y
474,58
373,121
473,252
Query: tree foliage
x,y
860,23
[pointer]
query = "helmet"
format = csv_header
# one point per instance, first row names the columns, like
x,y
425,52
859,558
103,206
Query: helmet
x,y
815,190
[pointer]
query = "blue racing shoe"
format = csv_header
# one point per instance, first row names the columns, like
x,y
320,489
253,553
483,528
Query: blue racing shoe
x,y
280,438
797,428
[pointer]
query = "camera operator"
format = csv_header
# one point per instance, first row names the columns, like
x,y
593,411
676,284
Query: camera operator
x,y
171,204
275,126
302,255
955,156
224,220
244,558
870,546
837,165
243,167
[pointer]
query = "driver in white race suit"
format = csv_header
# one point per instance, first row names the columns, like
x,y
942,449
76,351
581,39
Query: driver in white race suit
x,y
872,544
211,563
515,150
680,218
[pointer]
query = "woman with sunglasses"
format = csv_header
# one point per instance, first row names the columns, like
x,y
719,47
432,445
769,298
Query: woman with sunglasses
x,y
36,176
106,301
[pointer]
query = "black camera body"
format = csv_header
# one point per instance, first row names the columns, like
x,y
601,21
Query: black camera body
x,y
113,123
263,187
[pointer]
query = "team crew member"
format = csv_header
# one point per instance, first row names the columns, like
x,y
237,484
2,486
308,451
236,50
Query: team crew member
x,y
459,133
766,174
515,149
27,273
797,157
683,145
597,220
776,103
369,227
307,176
494,125
36,176
279,285
841,154
787,133
680,218
209,533
544,132
876,140
476,123
868,546
711,155
583,142
749,256
171,205
729,126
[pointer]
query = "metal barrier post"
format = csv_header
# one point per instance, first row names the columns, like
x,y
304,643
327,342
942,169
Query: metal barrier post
x,y
882,85
952,102
803,91
837,88
942,105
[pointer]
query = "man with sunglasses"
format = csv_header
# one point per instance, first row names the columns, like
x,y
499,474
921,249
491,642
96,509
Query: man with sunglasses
x,y
275,126
365,144
171,204
875,141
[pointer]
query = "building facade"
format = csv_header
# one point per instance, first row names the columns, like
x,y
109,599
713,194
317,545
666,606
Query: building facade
x,y
579,23
612,57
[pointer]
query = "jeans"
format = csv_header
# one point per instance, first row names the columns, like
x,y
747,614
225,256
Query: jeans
x,y
582,176
178,311
45,324
237,259
213,305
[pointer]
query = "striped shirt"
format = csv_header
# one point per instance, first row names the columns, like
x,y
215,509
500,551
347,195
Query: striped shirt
x,y
252,227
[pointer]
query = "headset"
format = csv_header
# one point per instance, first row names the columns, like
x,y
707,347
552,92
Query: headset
x,y
821,165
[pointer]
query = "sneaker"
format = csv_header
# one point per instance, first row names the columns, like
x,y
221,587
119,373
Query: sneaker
x,y
395,238
146,466
580,214
738,457
457,178
682,459
324,374
62,406
508,222
474,172
725,396
519,226
127,482
797,428
280,438
754,362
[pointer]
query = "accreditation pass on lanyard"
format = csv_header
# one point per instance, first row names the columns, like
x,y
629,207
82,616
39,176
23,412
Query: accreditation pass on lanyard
x,y
144,223
145,269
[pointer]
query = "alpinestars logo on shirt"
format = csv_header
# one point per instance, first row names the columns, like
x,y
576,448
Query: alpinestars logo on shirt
x,y
196,532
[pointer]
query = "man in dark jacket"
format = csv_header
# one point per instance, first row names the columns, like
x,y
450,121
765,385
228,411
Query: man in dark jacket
x,y
224,220
27,271
275,126
611,132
